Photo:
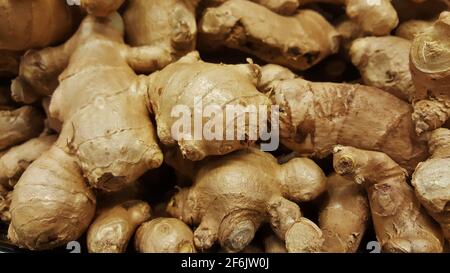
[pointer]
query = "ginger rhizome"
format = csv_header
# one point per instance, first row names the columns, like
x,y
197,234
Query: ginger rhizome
x,y
297,41
234,194
285,7
344,215
401,223
19,125
410,29
430,69
169,25
384,63
101,8
374,17
316,116
215,85
431,180
107,138
164,235
113,228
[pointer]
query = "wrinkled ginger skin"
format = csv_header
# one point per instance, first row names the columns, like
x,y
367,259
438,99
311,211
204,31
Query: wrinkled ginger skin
x,y
297,42
401,224
431,180
97,87
384,63
164,235
430,69
35,24
219,85
19,125
101,8
410,29
51,204
167,24
14,162
234,194
316,116
113,228
343,217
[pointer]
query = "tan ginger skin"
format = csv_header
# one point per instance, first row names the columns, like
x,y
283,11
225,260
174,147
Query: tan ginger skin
x,y
410,29
343,217
35,24
164,235
19,125
113,228
91,148
234,194
430,69
376,18
297,41
316,116
431,180
284,7
101,8
217,84
401,224
167,24
384,63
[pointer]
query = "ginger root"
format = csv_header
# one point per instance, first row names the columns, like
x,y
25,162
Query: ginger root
x,y
401,224
384,63
166,24
34,24
101,8
431,180
430,69
164,235
344,215
113,228
297,41
234,194
410,29
19,125
316,116
284,7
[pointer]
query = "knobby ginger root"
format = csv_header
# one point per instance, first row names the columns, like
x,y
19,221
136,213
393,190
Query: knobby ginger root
x,y
167,24
316,116
298,41
35,24
431,180
410,29
285,7
17,126
271,73
164,235
384,63
430,68
113,228
5,202
234,194
101,8
376,17
401,224
107,136
218,86
344,215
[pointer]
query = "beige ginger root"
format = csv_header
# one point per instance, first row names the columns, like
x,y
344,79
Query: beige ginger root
x,y
297,41
384,63
19,125
430,69
35,24
164,235
169,25
401,224
431,180
101,8
410,29
216,85
285,7
97,87
113,228
234,194
316,116
343,216
375,17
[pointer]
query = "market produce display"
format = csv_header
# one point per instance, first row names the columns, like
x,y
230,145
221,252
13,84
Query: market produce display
x,y
251,126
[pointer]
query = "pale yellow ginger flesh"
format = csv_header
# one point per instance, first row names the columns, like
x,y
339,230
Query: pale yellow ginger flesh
x,y
401,223
164,235
234,194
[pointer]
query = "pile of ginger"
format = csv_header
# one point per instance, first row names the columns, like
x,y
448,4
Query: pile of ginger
x,y
356,96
